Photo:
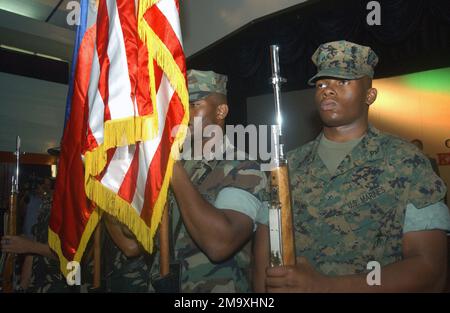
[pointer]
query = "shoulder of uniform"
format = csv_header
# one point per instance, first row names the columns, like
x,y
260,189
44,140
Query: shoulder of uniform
x,y
298,154
398,149
238,165
245,174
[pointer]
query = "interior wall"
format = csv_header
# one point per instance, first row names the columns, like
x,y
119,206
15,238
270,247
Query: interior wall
x,y
301,122
32,109
416,106
206,21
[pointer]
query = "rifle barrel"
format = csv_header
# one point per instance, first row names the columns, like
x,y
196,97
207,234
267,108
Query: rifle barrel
x,y
282,250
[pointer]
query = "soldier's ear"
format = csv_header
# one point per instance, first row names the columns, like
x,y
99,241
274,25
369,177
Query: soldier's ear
x,y
371,96
222,111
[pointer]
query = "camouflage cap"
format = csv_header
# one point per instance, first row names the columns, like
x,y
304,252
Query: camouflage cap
x,y
202,83
343,59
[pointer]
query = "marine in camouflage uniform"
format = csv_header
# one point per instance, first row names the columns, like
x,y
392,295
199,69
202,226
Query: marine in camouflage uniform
x,y
211,177
46,275
199,274
119,272
345,220
122,273
359,194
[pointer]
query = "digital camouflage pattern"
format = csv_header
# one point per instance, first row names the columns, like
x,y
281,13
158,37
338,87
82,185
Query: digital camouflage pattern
x,y
344,221
46,276
202,83
119,273
124,274
343,59
198,273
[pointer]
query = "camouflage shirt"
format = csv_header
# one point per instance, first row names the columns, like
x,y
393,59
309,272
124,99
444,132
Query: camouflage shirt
x,y
45,276
199,274
119,273
345,220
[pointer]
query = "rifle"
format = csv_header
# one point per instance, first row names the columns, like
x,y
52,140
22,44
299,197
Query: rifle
x,y
282,251
9,277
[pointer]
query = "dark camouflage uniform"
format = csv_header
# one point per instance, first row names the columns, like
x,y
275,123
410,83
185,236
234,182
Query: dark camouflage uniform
x,y
46,275
344,221
198,273
119,273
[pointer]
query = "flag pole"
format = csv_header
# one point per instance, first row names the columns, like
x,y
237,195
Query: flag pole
x,y
164,255
97,257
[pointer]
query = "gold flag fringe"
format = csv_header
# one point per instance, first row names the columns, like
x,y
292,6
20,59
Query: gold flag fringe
x,y
119,133
122,132
55,243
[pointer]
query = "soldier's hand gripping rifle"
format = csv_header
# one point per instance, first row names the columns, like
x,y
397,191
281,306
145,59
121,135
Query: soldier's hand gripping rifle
x,y
282,251
9,277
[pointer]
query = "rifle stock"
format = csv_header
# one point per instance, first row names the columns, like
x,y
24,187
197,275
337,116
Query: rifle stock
x,y
280,184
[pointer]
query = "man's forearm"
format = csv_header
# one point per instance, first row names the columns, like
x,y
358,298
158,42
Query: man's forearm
x,y
210,228
42,249
409,275
122,237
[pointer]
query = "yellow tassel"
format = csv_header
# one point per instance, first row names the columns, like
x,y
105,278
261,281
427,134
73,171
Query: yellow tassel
x,y
157,50
119,133
165,60
55,243
152,89
144,5
94,161
128,131
111,203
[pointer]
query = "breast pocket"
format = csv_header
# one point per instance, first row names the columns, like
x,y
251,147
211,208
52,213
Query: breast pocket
x,y
374,213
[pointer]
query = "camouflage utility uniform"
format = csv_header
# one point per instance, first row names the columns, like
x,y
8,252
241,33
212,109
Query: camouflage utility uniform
x,y
119,273
46,275
199,274
345,220
123,274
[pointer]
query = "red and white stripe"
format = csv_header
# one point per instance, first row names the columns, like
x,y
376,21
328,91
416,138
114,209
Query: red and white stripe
x,y
134,172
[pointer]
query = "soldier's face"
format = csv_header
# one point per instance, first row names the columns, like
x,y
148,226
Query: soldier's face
x,y
205,109
341,102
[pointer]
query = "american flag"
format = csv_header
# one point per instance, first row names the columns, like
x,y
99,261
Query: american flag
x,y
127,94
